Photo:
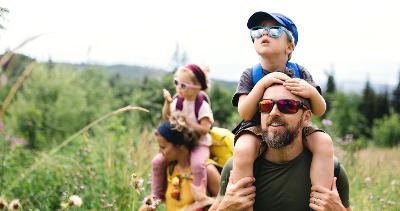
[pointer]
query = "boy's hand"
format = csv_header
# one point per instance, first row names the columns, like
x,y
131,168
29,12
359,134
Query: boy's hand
x,y
299,87
274,78
167,96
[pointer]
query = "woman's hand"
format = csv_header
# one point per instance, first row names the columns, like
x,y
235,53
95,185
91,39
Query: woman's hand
x,y
322,198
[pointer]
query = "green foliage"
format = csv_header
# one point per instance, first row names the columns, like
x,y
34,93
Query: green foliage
x,y
53,104
345,115
221,105
386,131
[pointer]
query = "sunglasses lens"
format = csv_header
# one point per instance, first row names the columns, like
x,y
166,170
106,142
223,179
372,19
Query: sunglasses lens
x,y
256,32
265,106
288,106
275,32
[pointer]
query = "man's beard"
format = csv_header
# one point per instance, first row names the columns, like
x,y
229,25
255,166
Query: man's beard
x,y
280,139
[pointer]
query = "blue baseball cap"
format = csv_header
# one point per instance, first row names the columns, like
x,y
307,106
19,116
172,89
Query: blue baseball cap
x,y
284,21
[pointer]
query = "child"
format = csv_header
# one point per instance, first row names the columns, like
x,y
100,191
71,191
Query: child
x,y
190,83
275,36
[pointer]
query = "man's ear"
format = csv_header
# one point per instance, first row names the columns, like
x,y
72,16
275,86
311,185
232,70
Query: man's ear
x,y
307,117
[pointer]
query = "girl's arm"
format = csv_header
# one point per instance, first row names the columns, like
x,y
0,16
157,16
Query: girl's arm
x,y
167,104
305,90
247,105
203,127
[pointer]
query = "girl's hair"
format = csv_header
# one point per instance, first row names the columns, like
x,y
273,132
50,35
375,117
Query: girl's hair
x,y
177,132
198,75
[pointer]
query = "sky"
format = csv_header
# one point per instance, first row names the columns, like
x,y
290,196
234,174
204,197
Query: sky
x,y
356,39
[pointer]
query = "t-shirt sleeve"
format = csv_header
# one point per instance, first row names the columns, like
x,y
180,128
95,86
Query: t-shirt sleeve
x,y
244,86
307,77
342,185
205,111
225,174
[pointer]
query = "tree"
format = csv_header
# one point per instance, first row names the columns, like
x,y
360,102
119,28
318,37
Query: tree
x,y
396,97
345,116
330,90
179,58
3,11
367,107
382,104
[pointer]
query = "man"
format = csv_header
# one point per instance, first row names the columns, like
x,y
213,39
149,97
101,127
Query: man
x,y
282,173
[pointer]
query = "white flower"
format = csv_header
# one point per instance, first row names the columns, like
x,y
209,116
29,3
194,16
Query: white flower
x,y
14,205
75,200
3,203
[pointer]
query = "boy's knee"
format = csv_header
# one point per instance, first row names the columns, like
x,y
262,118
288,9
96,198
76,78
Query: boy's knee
x,y
246,144
324,143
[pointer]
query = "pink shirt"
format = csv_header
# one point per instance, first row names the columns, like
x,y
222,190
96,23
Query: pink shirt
x,y
204,112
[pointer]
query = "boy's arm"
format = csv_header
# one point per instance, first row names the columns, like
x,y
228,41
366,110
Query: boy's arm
x,y
305,90
247,105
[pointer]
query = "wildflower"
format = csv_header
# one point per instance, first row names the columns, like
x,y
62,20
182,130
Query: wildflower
x,y
327,122
151,202
3,203
14,205
394,182
367,179
75,200
137,183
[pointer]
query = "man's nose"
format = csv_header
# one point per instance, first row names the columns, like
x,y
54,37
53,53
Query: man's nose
x,y
275,111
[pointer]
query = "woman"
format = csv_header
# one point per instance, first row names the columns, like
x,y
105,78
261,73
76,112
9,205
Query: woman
x,y
176,141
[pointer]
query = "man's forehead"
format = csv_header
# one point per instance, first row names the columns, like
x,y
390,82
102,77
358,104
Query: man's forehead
x,y
277,91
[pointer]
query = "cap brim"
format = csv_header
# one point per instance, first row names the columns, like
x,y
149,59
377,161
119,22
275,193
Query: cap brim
x,y
257,17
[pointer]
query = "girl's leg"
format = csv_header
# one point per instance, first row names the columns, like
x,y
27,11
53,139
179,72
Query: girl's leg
x,y
198,159
245,152
321,146
157,176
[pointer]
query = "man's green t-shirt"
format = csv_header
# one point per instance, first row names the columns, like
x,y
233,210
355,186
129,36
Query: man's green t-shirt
x,y
285,186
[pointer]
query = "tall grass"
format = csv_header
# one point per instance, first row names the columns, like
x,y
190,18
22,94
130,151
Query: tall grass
x,y
374,176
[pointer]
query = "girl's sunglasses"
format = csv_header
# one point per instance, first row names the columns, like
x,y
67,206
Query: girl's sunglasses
x,y
184,85
273,31
286,106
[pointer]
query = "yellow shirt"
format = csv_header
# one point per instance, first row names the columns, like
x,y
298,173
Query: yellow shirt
x,y
179,180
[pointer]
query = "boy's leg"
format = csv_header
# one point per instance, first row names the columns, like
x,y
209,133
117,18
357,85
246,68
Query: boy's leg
x,y
321,146
158,175
246,150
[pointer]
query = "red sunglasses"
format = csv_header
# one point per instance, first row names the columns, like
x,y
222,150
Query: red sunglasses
x,y
286,106
184,85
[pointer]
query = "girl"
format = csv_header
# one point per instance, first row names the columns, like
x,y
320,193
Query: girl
x,y
190,83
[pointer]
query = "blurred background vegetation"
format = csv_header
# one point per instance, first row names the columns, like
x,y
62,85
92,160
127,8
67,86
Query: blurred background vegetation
x,y
44,159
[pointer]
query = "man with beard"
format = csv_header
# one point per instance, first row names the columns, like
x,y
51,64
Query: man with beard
x,y
282,172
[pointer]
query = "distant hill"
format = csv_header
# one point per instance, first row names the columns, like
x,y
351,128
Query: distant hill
x,y
136,72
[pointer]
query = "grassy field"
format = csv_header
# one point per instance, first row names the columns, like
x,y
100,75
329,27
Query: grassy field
x,y
374,176
98,169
